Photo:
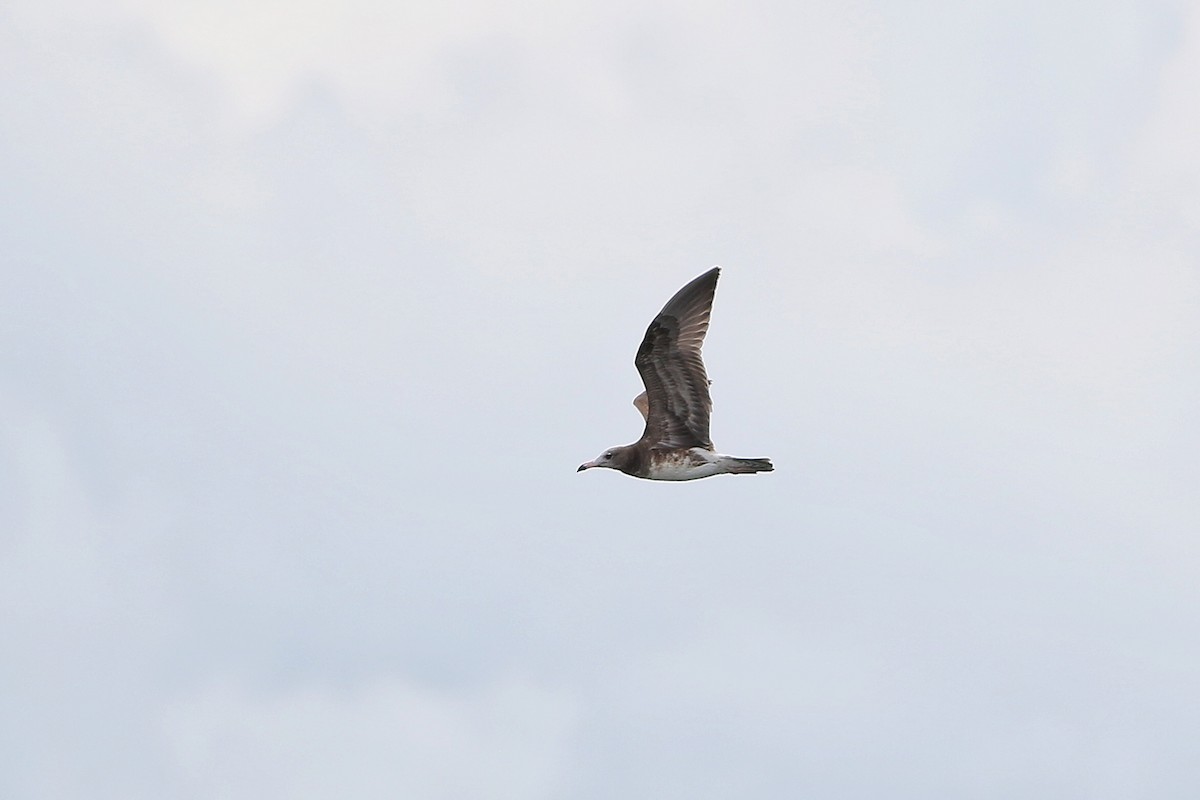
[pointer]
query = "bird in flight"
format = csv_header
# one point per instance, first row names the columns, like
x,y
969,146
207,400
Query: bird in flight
x,y
675,445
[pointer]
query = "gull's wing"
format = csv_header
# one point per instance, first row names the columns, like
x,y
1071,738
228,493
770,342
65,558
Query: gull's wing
x,y
643,405
671,367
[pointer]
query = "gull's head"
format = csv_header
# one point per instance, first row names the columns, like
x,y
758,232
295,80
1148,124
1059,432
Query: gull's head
x,y
605,459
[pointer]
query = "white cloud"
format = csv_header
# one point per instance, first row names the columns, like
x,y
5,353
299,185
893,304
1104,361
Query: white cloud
x,y
387,739
1165,174
386,59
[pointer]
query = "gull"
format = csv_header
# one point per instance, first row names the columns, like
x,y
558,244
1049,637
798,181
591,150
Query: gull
x,y
675,445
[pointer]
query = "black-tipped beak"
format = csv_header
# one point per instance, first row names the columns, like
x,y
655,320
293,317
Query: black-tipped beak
x,y
582,467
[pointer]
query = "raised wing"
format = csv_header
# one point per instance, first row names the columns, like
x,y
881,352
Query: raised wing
x,y
643,405
671,367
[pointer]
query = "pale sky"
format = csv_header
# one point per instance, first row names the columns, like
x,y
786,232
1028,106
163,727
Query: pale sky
x,y
309,310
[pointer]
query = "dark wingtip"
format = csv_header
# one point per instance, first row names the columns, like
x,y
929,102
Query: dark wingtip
x,y
702,287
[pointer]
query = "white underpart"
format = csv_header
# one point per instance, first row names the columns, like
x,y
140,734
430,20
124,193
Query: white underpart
x,y
689,465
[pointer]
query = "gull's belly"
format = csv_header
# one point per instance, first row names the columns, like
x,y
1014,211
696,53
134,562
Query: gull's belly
x,y
684,465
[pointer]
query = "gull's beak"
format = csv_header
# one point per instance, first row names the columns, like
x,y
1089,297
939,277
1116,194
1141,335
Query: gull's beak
x,y
586,465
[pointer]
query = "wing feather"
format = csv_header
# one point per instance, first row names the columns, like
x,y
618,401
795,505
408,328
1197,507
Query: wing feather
x,y
669,361
642,405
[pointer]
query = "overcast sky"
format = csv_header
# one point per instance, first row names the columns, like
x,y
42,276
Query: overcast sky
x,y
309,310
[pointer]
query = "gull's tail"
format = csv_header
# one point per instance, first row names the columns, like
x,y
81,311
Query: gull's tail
x,y
746,466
